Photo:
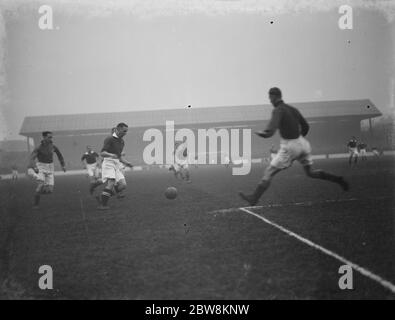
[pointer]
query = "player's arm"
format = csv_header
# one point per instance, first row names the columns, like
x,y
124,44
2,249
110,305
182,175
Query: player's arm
x,y
125,162
83,160
303,124
272,126
60,158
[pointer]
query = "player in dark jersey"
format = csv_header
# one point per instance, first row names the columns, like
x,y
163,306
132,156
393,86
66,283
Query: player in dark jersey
x,y
90,162
111,165
43,170
353,150
293,128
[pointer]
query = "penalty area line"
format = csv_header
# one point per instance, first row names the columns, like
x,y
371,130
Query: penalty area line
x,y
384,283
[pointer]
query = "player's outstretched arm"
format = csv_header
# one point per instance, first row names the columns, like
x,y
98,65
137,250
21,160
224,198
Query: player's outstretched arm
x,y
303,124
264,134
83,161
125,162
60,158
272,126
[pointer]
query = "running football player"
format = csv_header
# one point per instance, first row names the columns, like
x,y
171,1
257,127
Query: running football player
x,y
111,165
293,128
353,150
43,170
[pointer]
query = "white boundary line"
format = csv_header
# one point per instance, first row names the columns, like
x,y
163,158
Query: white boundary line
x,y
385,283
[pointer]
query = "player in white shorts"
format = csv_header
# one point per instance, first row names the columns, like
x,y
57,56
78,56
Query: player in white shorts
x,y
112,156
43,170
293,127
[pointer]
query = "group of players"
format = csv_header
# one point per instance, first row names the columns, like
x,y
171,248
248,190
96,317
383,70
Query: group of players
x,y
357,149
112,166
290,123
109,171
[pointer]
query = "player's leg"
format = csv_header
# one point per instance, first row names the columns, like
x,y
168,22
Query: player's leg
x,y
262,186
282,160
49,182
40,178
37,194
107,193
119,188
177,171
185,173
322,175
350,158
109,178
93,178
120,183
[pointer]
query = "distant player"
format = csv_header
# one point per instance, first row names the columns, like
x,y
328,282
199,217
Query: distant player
x,y
376,152
353,150
362,150
293,127
90,162
43,170
226,161
111,165
14,174
181,166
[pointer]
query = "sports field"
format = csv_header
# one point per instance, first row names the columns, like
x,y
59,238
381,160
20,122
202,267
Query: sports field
x,y
201,245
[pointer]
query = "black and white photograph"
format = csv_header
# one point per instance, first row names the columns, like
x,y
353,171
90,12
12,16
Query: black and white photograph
x,y
215,152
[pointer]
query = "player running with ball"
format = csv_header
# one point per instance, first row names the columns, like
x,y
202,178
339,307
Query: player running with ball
x,y
43,170
111,165
293,128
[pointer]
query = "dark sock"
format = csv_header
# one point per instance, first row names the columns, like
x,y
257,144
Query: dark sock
x,y
96,184
117,189
105,196
319,174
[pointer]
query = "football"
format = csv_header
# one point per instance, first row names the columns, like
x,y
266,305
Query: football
x,y
171,193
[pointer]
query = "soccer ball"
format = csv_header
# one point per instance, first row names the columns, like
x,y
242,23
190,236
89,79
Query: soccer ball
x,y
171,193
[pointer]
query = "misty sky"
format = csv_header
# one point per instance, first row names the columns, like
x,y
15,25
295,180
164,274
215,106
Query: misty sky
x,y
121,62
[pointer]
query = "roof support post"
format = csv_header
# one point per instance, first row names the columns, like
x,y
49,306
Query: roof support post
x,y
28,144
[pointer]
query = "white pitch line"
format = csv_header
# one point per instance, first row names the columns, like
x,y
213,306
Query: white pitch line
x,y
385,283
